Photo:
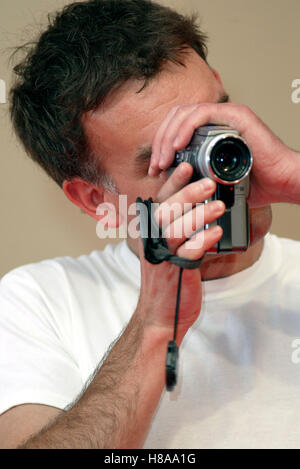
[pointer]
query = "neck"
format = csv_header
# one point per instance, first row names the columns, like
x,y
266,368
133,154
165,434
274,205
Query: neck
x,y
220,265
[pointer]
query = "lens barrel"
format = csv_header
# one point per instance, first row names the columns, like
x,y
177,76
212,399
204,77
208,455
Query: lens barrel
x,y
230,159
217,152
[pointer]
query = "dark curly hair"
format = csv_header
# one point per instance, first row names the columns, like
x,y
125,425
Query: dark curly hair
x,y
89,49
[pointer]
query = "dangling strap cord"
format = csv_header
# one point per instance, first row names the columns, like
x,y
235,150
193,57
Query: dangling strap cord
x,y
156,251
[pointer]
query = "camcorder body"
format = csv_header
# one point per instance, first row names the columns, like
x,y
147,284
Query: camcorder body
x,y
220,153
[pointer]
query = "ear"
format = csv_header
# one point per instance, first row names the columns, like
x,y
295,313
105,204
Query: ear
x,y
217,76
93,200
84,195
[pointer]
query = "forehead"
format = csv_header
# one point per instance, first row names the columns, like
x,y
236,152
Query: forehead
x,y
129,117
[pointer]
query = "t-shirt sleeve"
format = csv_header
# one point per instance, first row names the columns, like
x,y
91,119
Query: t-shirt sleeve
x,y
36,364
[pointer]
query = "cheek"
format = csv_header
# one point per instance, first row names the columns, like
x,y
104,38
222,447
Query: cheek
x,y
144,188
131,188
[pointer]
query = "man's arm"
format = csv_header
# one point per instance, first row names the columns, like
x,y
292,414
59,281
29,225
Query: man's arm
x,y
21,421
116,409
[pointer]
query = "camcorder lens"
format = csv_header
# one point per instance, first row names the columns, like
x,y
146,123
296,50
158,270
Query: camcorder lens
x,y
230,159
225,160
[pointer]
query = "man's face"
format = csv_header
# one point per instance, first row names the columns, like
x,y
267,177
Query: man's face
x,y
123,128
126,123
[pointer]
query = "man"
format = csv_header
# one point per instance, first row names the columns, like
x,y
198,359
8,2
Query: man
x,y
105,83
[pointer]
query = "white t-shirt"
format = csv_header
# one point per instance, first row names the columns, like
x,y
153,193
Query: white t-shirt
x,y
239,384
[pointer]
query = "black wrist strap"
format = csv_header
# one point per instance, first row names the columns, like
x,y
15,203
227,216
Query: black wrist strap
x,y
156,251
155,246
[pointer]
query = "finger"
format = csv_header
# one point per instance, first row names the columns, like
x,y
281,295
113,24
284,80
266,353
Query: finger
x,y
188,119
178,179
196,247
153,166
182,121
184,227
183,200
164,176
233,115
166,144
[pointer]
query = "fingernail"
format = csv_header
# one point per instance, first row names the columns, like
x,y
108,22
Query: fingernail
x,y
162,162
207,183
176,142
151,171
219,206
217,230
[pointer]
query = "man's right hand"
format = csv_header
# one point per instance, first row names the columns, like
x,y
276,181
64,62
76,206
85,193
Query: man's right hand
x,y
159,282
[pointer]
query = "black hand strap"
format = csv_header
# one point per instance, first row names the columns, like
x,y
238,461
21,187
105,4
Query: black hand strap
x,y
156,251
155,246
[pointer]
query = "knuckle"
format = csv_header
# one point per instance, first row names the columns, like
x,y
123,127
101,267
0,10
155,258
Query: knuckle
x,y
166,140
246,109
199,191
173,111
186,126
189,193
203,107
181,111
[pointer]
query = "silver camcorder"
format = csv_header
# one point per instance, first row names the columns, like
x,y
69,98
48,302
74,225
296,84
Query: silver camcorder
x,y
220,153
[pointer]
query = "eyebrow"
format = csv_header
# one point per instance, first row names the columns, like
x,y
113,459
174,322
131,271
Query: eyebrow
x,y
144,153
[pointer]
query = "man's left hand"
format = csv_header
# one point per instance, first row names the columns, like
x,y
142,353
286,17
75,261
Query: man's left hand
x,y
275,176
